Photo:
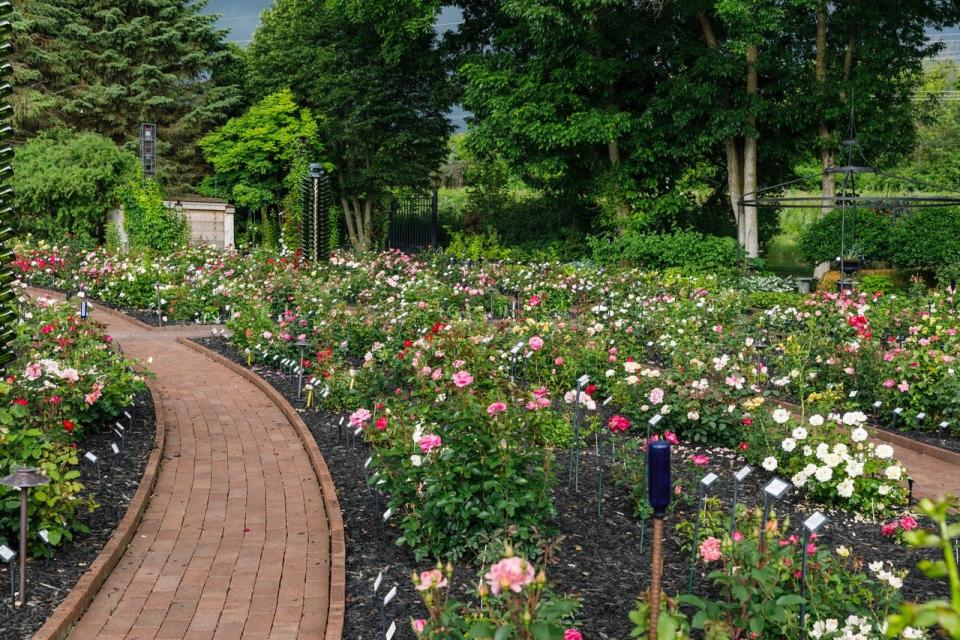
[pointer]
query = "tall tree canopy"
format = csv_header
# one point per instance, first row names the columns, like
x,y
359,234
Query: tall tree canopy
x,y
660,108
371,73
105,66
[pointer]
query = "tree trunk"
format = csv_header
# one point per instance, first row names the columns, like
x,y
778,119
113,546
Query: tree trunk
x,y
751,235
828,181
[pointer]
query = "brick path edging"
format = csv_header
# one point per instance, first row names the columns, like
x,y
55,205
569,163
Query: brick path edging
x,y
338,549
69,611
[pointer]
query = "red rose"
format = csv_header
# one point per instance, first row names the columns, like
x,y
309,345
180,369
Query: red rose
x,y
68,425
381,423
744,446
20,401
747,421
407,343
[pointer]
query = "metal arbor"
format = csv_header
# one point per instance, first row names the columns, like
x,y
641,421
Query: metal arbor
x,y
315,222
847,198
8,312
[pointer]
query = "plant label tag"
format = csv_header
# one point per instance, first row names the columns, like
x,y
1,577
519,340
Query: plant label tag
x,y
392,630
814,522
655,420
853,394
128,416
708,480
44,535
944,424
898,410
608,401
743,473
119,426
326,391
387,514
877,404
6,553
390,596
115,448
341,421
358,431
583,380
89,456
119,434
366,464
776,488
377,582
921,416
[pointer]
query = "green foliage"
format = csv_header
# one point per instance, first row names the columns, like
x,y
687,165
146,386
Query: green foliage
x,y
687,250
672,624
771,299
927,239
376,86
66,183
944,615
874,283
712,524
105,66
149,224
863,234
252,154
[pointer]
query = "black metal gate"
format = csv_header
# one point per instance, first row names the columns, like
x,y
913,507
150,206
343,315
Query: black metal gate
x,y
414,223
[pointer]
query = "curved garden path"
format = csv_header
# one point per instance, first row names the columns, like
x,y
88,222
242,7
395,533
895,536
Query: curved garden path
x,y
240,539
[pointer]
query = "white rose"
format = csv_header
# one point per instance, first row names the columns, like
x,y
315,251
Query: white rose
x,y
884,489
893,472
832,460
845,488
854,468
840,449
807,451
823,449
816,420
859,434
788,445
770,463
610,373
884,451
416,461
810,469
800,433
799,479
780,416
824,474
693,416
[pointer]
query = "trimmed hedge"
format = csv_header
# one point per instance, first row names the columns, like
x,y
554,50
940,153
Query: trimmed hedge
x,y
688,250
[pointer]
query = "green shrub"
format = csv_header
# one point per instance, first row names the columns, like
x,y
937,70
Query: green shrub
x,y
927,239
150,224
864,232
874,283
770,299
687,250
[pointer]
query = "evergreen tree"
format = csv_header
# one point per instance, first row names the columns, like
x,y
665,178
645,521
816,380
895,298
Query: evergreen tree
x,y
105,66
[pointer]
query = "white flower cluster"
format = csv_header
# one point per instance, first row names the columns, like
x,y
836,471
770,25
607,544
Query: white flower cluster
x,y
856,628
879,569
840,463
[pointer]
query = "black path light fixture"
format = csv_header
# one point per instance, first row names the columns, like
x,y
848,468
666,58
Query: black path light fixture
x,y
848,199
23,479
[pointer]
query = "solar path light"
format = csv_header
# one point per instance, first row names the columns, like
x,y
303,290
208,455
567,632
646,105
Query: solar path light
x,y
23,479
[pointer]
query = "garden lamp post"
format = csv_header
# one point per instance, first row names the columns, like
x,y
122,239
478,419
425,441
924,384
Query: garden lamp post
x,y
774,490
810,527
84,310
23,479
156,285
658,493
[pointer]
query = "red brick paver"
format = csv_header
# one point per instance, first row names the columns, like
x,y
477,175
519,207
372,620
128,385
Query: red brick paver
x,y
235,542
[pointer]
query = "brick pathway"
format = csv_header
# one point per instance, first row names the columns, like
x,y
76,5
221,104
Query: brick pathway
x,y
235,542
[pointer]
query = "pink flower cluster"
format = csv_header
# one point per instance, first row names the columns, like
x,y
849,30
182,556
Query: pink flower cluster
x,y
907,523
462,378
495,408
360,417
510,573
618,423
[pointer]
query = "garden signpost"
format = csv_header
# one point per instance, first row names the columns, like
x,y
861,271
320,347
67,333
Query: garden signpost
x,y
738,479
705,484
774,490
810,527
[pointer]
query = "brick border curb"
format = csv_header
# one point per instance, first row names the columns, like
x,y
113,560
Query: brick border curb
x,y
69,611
338,550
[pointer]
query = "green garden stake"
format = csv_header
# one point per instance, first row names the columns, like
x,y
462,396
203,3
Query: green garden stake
x,y
574,460
810,527
738,479
705,483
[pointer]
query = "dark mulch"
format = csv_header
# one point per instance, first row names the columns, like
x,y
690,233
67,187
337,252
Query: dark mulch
x,y
51,579
930,435
599,558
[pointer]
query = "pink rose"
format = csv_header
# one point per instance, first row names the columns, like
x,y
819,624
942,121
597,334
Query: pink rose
x,y
536,343
909,523
671,437
699,459
903,387
462,379
418,625
559,362
572,634
889,384
34,371
710,550
510,573
889,528
495,408
430,579
618,423
437,373
737,536
534,301
656,396
429,442
359,417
